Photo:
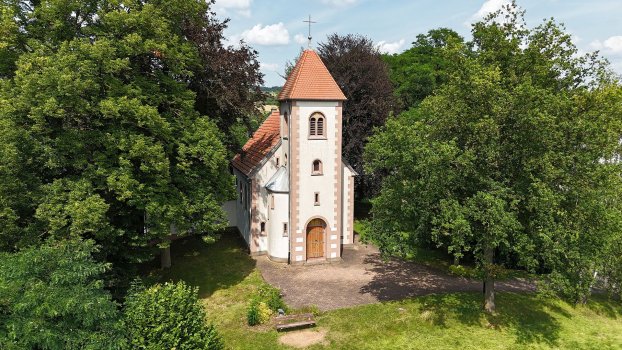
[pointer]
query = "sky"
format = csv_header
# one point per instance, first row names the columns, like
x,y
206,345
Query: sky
x,y
275,28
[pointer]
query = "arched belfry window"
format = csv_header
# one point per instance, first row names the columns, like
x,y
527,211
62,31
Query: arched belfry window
x,y
317,126
316,168
286,125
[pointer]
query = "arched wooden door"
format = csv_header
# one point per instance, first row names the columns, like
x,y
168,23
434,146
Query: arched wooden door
x,y
315,238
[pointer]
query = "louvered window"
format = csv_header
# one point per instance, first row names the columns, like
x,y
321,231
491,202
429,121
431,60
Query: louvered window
x,y
317,127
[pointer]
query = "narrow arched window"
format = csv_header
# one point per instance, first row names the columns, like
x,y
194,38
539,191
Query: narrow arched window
x,y
316,169
317,129
286,125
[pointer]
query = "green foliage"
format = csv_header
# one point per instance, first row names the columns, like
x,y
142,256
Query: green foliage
x,y
99,130
461,271
258,312
272,297
52,297
168,316
261,307
513,161
252,313
423,68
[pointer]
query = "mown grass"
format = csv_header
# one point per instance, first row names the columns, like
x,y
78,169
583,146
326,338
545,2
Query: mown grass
x,y
227,279
440,260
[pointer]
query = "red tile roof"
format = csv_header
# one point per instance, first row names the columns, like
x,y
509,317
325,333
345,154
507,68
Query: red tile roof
x,y
311,80
257,147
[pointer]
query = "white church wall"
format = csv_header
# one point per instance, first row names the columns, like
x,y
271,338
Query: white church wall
x,y
242,211
278,242
230,208
325,151
263,205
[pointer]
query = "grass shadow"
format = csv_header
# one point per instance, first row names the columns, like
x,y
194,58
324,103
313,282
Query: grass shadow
x,y
210,267
530,319
533,319
602,305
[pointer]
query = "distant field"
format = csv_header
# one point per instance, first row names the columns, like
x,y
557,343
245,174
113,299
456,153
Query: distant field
x,y
227,278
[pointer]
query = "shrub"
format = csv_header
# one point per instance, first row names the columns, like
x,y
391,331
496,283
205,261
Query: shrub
x,y
459,270
252,313
168,316
272,297
264,312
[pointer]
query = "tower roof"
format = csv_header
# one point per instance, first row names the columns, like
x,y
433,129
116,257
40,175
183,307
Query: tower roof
x,y
311,80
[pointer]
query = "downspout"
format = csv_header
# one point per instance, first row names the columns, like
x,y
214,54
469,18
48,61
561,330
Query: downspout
x,y
289,162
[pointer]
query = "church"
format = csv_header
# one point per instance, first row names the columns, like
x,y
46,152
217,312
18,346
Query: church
x,y
295,193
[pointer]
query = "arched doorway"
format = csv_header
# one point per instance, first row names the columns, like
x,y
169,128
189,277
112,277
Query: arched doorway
x,y
315,238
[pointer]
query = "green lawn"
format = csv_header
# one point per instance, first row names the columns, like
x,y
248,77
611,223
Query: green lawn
x,y
227,279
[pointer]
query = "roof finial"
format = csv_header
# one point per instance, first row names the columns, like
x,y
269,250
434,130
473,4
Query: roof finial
x,y
309,37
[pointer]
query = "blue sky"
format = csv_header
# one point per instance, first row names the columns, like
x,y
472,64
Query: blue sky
x,y
276,30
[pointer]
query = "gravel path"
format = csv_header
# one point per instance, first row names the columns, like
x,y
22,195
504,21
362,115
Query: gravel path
x,y
362,277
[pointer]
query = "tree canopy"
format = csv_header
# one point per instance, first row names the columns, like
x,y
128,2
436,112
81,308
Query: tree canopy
x,y
357,67
114,119
423,68
52,297
513,161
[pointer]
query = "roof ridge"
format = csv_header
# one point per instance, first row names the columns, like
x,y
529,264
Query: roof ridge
x,y
302,61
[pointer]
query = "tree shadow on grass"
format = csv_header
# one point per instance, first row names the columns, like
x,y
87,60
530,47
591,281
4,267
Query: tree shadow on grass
x,y
602,305
210,267
447,298
531,319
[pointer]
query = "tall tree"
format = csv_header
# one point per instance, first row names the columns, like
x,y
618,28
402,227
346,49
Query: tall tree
x,y
512,161
423,68
358,69
227,81
53,297
99,119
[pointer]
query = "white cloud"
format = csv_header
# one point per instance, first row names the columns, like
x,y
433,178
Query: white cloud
x,y
390,47
241,7
339,2
612,44
273,34
489,6
272,67
300,39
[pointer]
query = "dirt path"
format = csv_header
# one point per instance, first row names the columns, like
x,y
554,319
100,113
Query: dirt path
x,y
364,278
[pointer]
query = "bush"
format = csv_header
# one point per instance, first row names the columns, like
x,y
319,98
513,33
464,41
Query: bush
x,y
252,313
168,316
258,312
265,304
462,271
272,297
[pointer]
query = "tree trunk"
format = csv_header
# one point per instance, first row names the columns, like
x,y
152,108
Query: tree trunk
x,y
489,282
165,253
165,257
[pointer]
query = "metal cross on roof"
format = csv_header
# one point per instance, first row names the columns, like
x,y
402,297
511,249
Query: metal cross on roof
x,y
309,37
